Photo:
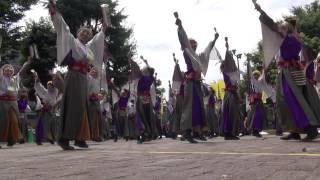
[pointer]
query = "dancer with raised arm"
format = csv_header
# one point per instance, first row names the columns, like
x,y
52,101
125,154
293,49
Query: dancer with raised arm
x,y
231,100
193,115
9,110
256,116
296,102
77,54
45,130
177,92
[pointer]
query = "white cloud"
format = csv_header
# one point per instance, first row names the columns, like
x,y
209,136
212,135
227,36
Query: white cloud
x,y
156,35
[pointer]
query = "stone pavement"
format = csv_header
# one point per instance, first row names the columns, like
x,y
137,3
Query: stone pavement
x,y
249,158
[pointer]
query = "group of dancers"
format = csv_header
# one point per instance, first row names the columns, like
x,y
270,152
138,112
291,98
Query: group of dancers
x,y
82,95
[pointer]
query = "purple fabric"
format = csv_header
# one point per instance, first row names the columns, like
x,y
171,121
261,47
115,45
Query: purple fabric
x,y
227,80
138,123
226,120
257,123
39,131
290,48
157,106
188,62
123,102
212,100
196,109
22,104
310,71
145,83
299,116
181,92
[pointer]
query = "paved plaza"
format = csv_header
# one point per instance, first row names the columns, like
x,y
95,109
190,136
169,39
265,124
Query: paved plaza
x,y
166,159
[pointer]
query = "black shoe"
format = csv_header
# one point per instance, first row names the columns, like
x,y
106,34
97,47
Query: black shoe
x,y
140,140
51,142
39,143
291,136
182,138
231,138
64,144
236,138
22,141
191,140
10,143
312,133
81,144
309,138
126,138
201,138
257,134
115,139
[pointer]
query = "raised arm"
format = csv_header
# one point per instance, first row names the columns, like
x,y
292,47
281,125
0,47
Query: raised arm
x,y
97,47
265,19
211,44
65,40
182,35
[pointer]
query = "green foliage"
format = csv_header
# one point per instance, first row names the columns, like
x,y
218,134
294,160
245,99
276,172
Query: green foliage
x,y
78,13
159,90
11,11
42,34
308,18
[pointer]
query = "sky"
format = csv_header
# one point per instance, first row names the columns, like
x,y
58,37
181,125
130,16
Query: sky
x,y
156,33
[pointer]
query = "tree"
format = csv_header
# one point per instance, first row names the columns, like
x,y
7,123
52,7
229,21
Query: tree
x,y
78,13
42,34
11,11
308,18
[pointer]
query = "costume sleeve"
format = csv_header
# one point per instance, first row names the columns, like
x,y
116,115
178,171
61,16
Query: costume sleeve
x,y
65,40
41,91
97,47
204,58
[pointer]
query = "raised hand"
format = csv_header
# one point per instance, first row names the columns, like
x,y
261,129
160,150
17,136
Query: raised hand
x,y
52,7
174,58
227,43
256,5
216,35
178,21
144,60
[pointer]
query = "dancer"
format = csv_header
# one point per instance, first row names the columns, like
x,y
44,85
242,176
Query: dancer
x,y
45,130
231,100
144,121
177,92
94,110
193,115
256,116
76,53
297,104
211,115
23,108
9,118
